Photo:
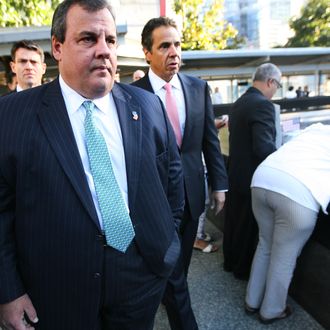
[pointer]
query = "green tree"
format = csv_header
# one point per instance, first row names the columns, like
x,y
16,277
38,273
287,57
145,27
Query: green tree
x,y
312,28
203,26
26,12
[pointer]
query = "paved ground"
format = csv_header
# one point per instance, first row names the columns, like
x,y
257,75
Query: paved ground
x,y
217,298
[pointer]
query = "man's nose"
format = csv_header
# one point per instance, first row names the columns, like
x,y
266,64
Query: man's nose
x,y
29,65
173,50
102,48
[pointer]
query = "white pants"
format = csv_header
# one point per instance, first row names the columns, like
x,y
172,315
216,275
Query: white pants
x,y
284,228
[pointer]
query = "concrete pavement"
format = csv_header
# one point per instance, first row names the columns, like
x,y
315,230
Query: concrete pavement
x,y
218,298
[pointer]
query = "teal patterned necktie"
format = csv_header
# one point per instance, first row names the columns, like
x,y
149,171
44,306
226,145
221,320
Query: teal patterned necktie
x,y
117,224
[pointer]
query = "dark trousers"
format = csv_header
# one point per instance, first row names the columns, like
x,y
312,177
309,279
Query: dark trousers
x,y
176,297
132,296
188,231
240,234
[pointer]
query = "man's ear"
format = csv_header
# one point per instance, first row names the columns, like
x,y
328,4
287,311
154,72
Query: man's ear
x,y
12,66
56,49
44,67
147,54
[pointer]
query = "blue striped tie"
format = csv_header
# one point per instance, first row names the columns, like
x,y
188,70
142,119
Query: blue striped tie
x,y
117,224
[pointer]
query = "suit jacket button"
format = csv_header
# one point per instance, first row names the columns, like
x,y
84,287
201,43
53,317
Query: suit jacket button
x,y
97,275
101,238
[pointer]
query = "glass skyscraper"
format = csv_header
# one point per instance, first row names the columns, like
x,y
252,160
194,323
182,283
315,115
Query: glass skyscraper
x,y
263,23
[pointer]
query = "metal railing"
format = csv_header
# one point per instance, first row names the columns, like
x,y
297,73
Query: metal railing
x,y
287,105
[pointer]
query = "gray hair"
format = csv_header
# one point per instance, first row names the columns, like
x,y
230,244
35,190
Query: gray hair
x,y
267,71
58,29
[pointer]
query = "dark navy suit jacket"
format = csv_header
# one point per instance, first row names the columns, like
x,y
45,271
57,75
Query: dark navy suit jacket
x,y
200,135
252,137
51,245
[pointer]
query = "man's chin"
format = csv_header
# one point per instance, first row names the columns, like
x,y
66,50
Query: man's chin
x,y
174,69
30,83
100,90
169,74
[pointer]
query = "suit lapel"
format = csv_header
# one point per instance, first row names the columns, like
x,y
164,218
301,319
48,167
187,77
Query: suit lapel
x,y
145,84
130,119
190,104
57,127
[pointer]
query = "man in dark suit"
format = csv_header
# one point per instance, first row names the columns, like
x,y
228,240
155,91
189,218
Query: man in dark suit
x,y
197,135
252,137
11,81
60,266
28,63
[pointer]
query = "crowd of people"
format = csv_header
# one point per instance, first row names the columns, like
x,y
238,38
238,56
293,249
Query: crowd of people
x,y
104,185
299,92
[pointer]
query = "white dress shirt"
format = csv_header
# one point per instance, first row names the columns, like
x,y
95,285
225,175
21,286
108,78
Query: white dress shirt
x,y
18,88
158,84
107,121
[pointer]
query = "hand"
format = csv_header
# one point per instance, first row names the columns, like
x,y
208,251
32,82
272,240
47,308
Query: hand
x,y
12,314
221,121
218,201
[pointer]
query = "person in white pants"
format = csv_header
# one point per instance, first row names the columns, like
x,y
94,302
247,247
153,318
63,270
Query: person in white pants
x,y
288,189
203,239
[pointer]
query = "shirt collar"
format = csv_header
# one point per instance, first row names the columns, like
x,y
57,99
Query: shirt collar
x,y
158,83
74,100
18,88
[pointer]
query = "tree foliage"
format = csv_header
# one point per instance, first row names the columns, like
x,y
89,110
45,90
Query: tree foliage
x,y
203,26
312,28
26,12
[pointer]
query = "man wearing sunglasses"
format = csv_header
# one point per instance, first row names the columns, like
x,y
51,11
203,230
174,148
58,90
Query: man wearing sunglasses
x,y
252,137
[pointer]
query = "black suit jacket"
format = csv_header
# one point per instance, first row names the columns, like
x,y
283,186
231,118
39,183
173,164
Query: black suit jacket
x,y
50,239
200,135
252,136
10,92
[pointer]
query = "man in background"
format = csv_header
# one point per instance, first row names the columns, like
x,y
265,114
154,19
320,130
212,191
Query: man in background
x,y
216,96
138,74
290,94
188,105
28,63
11,80
252,137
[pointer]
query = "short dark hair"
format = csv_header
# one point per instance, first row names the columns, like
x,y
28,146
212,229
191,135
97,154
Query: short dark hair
x,y
27,44
154,23
58,29
10,76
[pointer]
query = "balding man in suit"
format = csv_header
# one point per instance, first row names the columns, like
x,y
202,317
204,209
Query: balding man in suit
x,y
252,137
90,189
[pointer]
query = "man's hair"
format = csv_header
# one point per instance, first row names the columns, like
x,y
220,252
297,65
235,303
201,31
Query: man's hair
x,y
10,77
58,29
154,23
267,71
27,44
